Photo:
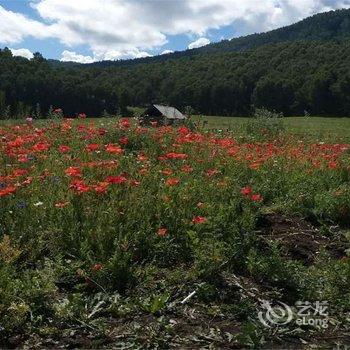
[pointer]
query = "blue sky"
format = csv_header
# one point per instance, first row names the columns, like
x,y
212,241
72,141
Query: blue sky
x,y
92,30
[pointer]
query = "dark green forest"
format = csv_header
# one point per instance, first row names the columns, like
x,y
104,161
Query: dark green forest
x,y
296,69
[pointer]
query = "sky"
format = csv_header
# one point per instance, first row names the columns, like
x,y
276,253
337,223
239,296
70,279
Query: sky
x,y
86,31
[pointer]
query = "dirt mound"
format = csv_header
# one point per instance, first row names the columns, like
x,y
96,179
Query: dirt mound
x,y
300,239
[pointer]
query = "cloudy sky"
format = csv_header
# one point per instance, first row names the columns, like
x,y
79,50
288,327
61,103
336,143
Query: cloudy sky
x,y
91,30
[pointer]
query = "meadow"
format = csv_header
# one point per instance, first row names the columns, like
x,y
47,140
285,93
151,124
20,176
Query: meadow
x,y
115,235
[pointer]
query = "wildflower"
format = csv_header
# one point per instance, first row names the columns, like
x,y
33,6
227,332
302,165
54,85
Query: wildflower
x,y
19,172
7,191
212,172
172,182
97,267
124,123
166,172
63,149
173,155
135,183
123,140
92,147
199,220
254,165
246,191
116,179
143,171
332,165
21,205
101,187
27,181
162,232
73,171
141,157
61,204
256,198
114,149
187,169
183,130
41,147
79,186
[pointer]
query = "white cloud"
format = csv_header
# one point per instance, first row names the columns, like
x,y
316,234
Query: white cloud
x,y
129,28
166,52
111,55
70,56
22,52
14,27
199,43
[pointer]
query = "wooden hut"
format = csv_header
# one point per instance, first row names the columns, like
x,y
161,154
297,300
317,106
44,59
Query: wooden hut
x,y
163,115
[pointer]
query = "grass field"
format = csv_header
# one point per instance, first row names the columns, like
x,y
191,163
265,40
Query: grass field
x,y
325,128
117,236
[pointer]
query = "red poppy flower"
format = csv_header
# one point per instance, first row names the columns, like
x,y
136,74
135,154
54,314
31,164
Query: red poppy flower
x,y
123,140
162,232
199,220
114,149
27,181
187,169
172,182
64,149
256,198
246,191
212,172
166,172
79,186
97,267
19,172
7,191
92,147
142,157
135,183
116,179
332,164
41,147
73,171
173,155
124,123
101,187
183,130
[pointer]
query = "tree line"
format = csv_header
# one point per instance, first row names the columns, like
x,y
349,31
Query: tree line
x,y
292,77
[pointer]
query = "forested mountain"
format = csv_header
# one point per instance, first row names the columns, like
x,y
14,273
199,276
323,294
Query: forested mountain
x,y
291,77
333,25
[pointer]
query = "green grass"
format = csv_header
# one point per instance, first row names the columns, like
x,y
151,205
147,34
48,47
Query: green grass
x,y
315,127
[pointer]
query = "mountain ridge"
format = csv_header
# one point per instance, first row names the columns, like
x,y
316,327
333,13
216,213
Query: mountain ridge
x,y
335,24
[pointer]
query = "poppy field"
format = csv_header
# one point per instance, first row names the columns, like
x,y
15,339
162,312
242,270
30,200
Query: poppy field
x,y
112,234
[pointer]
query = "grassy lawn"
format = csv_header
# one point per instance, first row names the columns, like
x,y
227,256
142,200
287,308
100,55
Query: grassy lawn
x,y
337,129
